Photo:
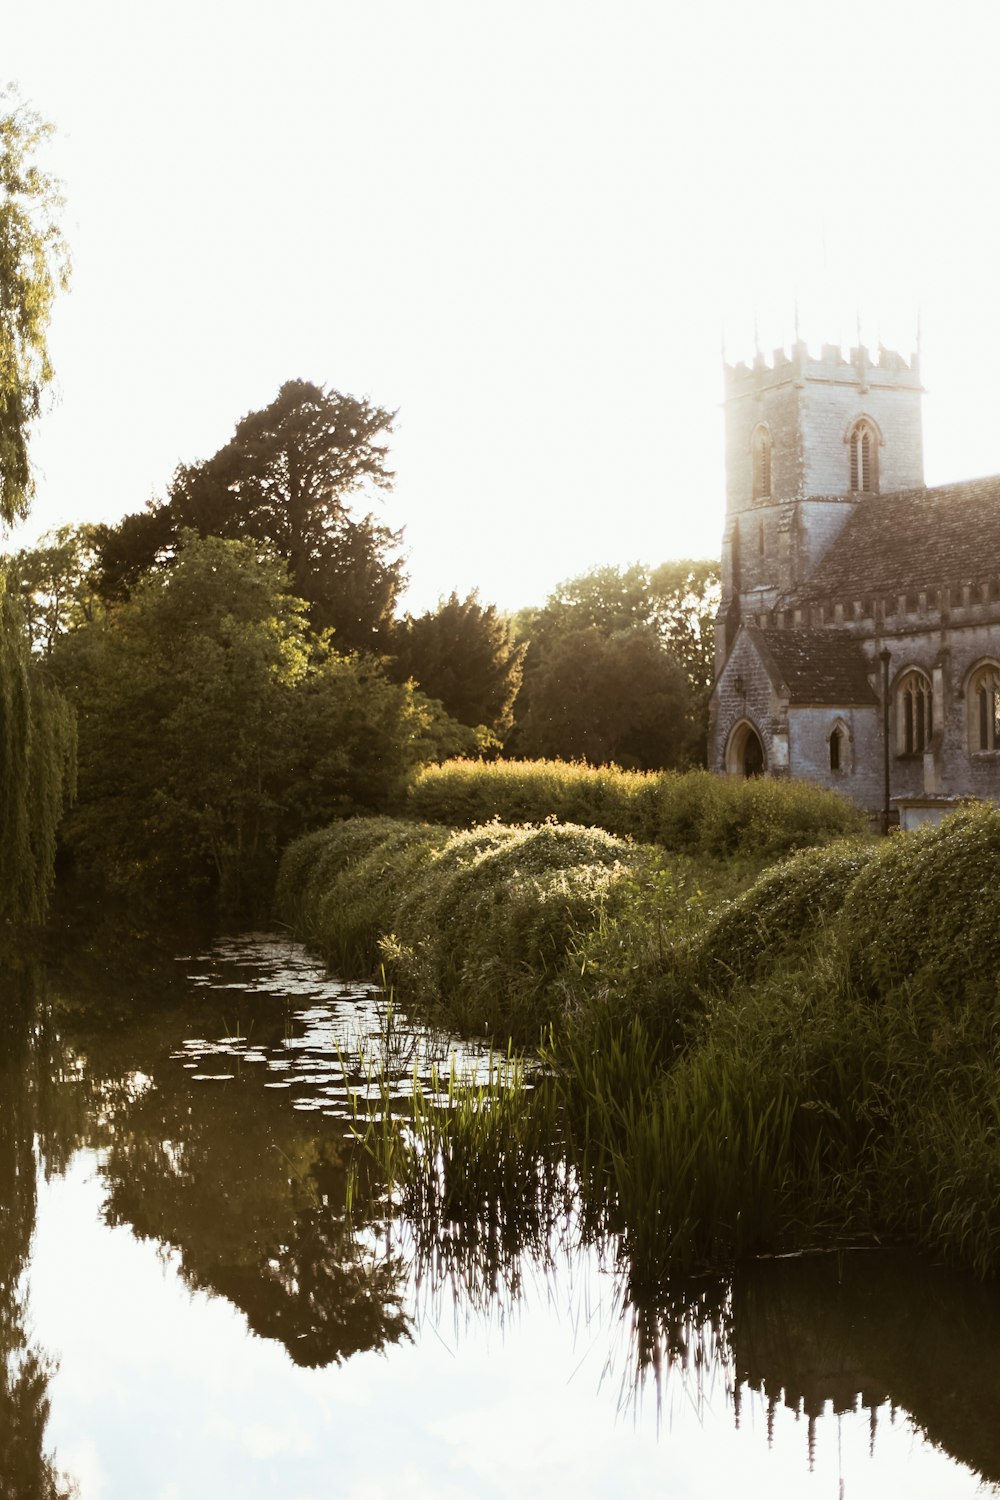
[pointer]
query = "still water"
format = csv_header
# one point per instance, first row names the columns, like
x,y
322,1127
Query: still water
x,y
186,1312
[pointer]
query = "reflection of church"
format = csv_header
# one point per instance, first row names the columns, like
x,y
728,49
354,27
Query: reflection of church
x,y
860,610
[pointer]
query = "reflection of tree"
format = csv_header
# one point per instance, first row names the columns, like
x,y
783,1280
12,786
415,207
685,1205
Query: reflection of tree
x,y
25,1468
239,1184
248,1192
251,1194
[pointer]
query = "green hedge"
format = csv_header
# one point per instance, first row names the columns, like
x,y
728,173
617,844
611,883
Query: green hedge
x,y
691,811
484,922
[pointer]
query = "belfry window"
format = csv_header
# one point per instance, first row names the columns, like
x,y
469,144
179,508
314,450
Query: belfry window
x,y
914,713
984,709
864,459
760,450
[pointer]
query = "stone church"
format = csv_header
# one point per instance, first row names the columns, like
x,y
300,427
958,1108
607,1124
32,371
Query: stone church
x,y
858,638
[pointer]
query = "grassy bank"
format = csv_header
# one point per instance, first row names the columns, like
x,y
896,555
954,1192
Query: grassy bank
x,y
508,930
813,1060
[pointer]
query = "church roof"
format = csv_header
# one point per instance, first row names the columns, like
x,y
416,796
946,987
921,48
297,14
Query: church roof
x,y
912,540
815,666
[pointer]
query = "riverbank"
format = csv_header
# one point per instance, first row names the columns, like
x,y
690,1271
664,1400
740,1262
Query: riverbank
x,y
814,1060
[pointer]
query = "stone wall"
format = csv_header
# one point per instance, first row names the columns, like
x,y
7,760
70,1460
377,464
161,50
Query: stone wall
x,y
861,771
809,406
744,691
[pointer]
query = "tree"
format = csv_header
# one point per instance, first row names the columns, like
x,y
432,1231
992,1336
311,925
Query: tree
x,y
56,583
464,654
685,595
37,749
215,725
284,480
673,604
34,266
620,698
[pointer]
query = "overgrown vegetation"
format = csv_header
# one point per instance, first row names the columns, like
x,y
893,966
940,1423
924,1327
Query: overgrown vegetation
x,y
485,922
813,1060
692,811
215,724
37,769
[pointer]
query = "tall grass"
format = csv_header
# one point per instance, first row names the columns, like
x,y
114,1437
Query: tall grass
x,y
691,811
836,1075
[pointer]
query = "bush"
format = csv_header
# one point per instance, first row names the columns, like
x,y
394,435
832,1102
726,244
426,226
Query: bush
x,y
691,811
489,928
784,910
484,922
338,887
926,913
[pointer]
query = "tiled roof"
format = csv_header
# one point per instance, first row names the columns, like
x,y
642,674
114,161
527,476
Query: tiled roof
x,y
912,540
816,666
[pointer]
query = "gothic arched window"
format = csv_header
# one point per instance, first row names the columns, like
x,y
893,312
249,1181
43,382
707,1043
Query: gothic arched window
x,y
914,713
760,449
984,708
837,749
864,459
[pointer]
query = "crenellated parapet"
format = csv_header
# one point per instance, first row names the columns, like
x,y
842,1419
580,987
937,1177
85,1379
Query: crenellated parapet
x,y
887,369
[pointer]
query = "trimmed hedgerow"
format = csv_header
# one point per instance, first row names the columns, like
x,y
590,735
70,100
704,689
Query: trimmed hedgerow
x,y
690,811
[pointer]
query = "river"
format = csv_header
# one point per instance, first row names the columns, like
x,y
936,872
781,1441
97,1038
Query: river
x,y
186,1310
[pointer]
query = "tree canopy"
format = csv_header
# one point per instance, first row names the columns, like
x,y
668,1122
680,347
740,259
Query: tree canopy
x,y
57,585
215,724
33,267
583,628
284,480
463,653
599,698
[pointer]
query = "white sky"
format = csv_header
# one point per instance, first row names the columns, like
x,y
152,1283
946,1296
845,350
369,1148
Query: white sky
x,y
524,226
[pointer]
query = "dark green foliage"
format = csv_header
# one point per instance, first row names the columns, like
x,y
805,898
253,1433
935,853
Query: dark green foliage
x,y
693,812
787,907
463,654
340,887
37,769
215,726
33,268
283,480
833,1076
620,699
926,913
656,616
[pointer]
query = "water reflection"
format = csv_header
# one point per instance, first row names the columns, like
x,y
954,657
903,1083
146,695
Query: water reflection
x,y
26,1469
247,1189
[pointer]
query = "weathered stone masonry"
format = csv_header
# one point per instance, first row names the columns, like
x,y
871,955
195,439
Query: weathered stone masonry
x,y
835,552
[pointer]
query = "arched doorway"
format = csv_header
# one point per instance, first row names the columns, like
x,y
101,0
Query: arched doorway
x,y
745,751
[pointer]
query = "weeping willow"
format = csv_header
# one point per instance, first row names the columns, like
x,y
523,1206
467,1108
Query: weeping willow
x,y
37,772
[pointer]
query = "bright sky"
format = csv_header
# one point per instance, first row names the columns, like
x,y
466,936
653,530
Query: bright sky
x,y
524,226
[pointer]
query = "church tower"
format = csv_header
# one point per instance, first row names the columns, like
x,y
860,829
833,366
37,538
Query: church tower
x,y
805,440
